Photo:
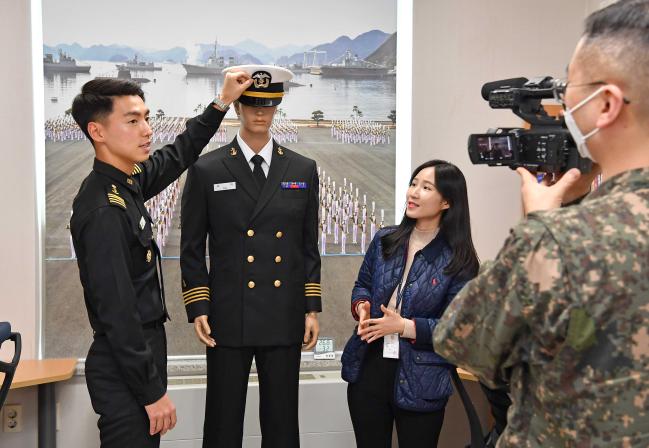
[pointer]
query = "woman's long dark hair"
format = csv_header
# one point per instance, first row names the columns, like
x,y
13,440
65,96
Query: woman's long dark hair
x,y
455,224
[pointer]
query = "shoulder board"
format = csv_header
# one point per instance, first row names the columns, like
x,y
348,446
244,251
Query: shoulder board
x,y
114,198
137,169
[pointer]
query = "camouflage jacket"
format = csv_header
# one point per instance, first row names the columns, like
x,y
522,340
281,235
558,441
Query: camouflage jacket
x,y
562,315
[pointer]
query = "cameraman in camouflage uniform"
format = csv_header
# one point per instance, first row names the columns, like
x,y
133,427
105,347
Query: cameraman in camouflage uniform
x,y
562,314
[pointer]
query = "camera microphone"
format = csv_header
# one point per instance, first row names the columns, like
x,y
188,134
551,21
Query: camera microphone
x,y
489,87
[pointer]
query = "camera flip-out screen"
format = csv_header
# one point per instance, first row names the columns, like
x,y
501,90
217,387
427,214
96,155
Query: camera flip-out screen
x,y
495,148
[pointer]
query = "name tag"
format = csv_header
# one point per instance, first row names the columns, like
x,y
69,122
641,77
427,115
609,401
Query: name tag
x,y
294,185
391,346
225,186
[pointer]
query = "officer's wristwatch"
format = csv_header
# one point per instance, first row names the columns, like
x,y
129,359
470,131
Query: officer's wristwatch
x,y
220,104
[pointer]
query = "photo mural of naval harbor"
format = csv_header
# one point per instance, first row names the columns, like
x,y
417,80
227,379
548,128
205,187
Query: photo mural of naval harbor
x,y
339,109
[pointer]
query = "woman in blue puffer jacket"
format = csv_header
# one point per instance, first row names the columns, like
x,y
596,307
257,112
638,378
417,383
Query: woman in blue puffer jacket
x,y
410,274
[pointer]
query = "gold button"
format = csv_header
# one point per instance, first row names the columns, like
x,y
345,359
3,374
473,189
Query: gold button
x,y
277,283
279,234
251,258
278,259
251,232
251,284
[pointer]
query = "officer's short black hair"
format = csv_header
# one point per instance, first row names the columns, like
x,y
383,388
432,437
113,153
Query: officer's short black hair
x,y
96,99
616,45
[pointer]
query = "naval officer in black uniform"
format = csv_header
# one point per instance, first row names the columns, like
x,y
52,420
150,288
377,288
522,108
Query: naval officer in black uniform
x,y
126,367
256,202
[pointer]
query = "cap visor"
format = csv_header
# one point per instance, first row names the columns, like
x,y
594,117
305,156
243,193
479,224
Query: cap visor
x,y
259,102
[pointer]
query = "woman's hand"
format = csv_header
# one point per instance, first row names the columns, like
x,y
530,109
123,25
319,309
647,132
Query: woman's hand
x,y
363,311
373,329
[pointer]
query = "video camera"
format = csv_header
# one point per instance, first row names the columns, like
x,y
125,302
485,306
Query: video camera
x,y
546,147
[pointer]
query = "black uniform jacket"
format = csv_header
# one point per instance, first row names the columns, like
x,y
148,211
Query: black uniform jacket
x,y
117,257
264,264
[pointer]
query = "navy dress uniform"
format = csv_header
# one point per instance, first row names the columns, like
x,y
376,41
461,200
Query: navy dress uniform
x,y
263,276
119,267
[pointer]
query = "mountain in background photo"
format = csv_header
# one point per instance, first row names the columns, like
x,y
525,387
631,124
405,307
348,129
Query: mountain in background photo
x,y
377,44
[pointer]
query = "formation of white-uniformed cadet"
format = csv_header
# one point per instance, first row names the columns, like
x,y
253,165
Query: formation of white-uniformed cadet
x,y
284,130
63,129
344,220
360,131
161,208
165,129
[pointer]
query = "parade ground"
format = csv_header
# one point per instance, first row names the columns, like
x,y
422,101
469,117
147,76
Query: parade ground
x,y
369,168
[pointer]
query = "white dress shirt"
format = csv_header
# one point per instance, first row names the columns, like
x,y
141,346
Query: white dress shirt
x,y
266,153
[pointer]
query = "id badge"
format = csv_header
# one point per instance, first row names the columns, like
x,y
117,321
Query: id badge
x,y
391,346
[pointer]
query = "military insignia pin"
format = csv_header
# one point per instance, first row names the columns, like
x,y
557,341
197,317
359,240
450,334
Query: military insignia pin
x,y
280,151
261,79
114,189
233,152
148,256
142,223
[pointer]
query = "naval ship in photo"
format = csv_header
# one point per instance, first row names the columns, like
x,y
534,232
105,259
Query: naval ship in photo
x,y
214,66
137,65
351,66
66,64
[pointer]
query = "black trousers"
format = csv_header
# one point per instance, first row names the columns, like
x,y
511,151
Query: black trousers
x,y
123,423
228,369
373,411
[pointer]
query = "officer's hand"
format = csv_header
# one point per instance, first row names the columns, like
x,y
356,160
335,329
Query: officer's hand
x,y
363,311
162,415
311,331
234,84
203,331
390,323
541,196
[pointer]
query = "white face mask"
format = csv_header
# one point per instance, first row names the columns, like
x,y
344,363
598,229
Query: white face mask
x,y
571,124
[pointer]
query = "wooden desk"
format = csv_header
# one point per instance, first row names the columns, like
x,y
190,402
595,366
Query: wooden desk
x,y
33,372
44,373
463,374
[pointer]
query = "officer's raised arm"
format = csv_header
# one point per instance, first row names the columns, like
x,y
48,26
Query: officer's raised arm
x,y
168,163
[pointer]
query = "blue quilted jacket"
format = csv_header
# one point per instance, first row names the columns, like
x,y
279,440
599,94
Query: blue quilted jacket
x,y
423,382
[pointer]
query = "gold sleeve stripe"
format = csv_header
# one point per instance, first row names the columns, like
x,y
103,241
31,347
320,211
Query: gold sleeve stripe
x,y
191,299
313,288
312,284
137,169
312,295
198,288
194,295
199,291
196,300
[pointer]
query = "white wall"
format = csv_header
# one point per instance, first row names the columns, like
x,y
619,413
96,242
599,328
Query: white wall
x,y
19,259
18,226
458,46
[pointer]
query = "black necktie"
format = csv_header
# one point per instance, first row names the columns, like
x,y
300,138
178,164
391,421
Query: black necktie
x,y
258,172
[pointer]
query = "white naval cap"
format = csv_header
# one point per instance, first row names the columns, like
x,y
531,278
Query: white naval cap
x,y
267,88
